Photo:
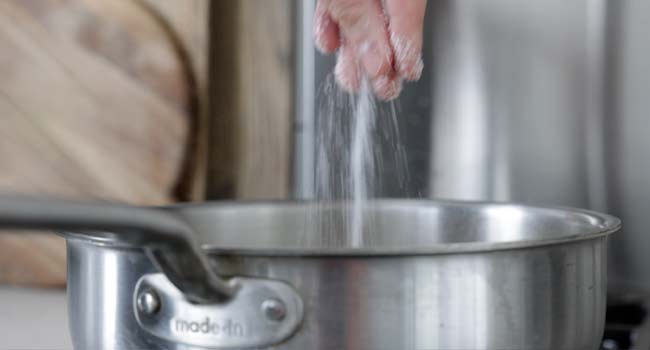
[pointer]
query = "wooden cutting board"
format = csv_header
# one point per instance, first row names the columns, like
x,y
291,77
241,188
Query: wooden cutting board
x,y
95,102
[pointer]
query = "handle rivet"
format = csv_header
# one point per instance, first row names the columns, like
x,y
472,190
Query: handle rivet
x,y
148,302
274,309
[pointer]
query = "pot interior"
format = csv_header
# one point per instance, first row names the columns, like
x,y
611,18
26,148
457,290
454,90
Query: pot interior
x,y
389,227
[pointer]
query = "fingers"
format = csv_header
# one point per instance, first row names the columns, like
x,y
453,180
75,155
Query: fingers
x,y
387,88
326,31
347,70
348,75
360,30
406,25
363,27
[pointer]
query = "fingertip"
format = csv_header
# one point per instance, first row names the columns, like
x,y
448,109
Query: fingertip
x,y
327,45
406,35
347,71
408,57
326,33
412,71
387,88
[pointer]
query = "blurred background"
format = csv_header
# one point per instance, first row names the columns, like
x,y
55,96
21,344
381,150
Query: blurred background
x,y
157,101
140,101
116,100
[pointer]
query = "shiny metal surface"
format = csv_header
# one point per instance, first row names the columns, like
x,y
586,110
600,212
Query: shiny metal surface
x,y
101,282
509,107
391,227
549,297
516,101
147,302
263,313
540,298
168,241
486,276
274,309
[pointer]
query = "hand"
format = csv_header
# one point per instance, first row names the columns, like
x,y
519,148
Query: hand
x,y
379,38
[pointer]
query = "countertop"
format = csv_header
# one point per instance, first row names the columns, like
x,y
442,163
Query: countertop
x,y
34,319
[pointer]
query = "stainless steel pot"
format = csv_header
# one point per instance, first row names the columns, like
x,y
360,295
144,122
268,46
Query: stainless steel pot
x,y
430,275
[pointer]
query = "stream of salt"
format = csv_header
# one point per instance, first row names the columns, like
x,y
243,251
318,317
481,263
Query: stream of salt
x,y
362,162
357,141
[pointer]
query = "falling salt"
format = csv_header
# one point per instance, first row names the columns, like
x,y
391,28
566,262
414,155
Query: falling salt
x,y
354,135
362,160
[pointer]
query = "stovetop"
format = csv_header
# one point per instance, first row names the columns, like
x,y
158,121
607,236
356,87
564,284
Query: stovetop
x,y
627,326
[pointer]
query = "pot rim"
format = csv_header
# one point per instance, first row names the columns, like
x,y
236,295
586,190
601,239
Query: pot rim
x,y
603,226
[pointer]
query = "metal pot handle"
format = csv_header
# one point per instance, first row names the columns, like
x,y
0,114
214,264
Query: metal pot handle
x,y
167,240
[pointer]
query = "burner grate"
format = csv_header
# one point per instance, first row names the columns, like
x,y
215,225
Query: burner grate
x,y
627,327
